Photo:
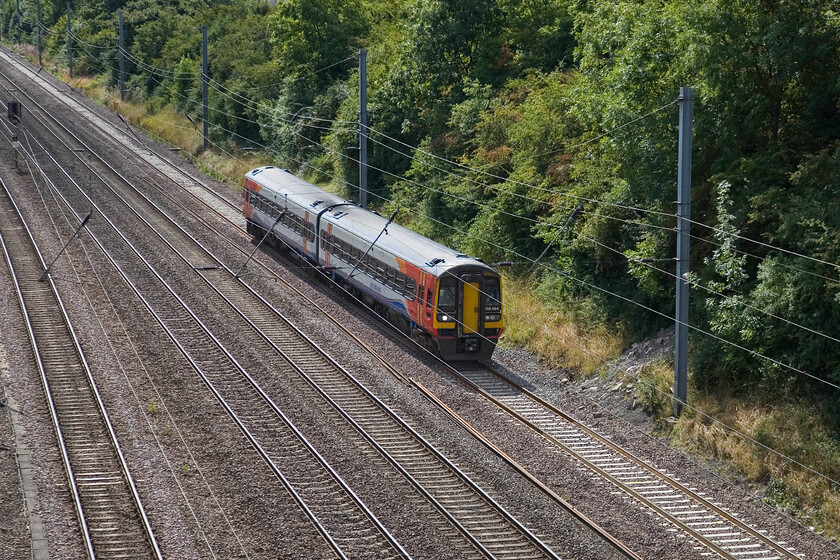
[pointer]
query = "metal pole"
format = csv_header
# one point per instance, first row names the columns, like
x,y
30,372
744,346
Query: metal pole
x,y
38,25
683,225
69,47
363,129
122,60
264,237
75,233
204,82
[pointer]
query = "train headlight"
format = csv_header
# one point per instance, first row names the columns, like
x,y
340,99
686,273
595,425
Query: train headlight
x,y
443,318
493,318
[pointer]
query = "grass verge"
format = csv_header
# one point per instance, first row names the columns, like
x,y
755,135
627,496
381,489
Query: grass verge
x,y
553,334
788,446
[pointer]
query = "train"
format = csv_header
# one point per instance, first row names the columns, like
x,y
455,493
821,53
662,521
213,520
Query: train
x,y
448,302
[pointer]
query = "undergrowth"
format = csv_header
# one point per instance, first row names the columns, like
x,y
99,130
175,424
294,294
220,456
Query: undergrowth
x,y
787,453
552,334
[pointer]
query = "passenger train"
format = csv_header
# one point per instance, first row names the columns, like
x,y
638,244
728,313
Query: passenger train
x,y
447,301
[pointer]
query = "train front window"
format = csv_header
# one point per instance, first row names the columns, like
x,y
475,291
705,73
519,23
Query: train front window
x,y
493,301
447,298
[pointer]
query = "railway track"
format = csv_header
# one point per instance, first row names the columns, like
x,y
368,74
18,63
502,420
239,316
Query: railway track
x,y
344,522
661,492
681,507
110,512
482,522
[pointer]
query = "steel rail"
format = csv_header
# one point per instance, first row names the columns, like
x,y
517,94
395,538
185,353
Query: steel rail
x,y
364,345
389,457
239,368
114,442
637,462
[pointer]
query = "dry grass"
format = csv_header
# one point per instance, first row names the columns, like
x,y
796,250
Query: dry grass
x,y
173,127
794,432
552,334
228,169
654,387
169,124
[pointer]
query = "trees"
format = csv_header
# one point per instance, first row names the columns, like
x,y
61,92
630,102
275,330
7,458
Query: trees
x,y
761,116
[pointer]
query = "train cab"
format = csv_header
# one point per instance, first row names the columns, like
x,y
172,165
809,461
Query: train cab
x,y
468,313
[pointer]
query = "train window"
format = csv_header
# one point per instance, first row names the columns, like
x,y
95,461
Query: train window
x,y
410,288
429,297
447,296
494,294
493,301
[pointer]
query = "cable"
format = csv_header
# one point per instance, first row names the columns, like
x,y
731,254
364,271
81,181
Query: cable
x,y
767,245
645,264
647,308
514,182
728,427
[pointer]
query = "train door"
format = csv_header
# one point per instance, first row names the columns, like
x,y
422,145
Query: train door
x,y
472,289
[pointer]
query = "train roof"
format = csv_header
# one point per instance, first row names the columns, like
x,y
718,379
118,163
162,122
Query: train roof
x,y
400,241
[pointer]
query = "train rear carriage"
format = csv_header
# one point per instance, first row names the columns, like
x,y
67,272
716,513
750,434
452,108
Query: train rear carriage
x,y
448,301
274,199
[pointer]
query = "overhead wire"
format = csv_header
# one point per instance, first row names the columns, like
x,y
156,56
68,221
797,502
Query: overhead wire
x,y
716,337
605,362
628,300
692,408
245,100
638,261
551,191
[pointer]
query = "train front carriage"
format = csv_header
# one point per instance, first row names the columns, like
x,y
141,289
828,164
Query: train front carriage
x,y
468,318
446,300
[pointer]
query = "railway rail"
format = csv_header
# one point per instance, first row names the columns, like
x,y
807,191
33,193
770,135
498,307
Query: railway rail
x,y
683,507
343,521
481,521
112,520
